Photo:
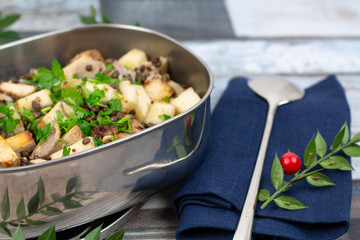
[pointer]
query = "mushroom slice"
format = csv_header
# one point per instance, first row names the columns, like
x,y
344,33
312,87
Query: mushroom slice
x,y
8,158
89,68
136,126
61,106
48,146
80,146
72,136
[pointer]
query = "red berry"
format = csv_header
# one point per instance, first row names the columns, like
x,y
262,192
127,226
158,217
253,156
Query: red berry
x,y
290,162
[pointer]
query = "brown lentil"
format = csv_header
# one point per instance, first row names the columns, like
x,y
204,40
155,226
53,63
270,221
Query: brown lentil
x,y
88,67
85,141
25,153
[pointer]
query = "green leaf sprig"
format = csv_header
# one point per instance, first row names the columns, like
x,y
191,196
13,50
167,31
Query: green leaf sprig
x,y
8,123
91,19
104,79
7,36
49,79
316,154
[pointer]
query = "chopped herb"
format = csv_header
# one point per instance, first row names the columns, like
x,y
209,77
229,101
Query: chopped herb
x,y
97,142
75,118
104,79
66,151
113,137
119,95
42,133
8,123
45,110
109,67
91,19
115,105
85,127
95,96
166,99
75,76
49,79
104,121
164,117
137,23
27,115
138,82
71,96
61,140
123,125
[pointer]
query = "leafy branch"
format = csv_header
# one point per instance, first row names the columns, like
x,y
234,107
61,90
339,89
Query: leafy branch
x,y
36,205
315,155
91,19
6,21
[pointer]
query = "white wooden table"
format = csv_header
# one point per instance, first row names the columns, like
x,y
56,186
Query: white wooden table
x,y
300,40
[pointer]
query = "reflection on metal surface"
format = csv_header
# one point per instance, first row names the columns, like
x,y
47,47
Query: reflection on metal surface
x,y
166,163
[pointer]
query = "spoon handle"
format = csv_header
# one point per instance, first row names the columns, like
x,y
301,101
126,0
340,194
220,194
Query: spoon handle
x,y
244,228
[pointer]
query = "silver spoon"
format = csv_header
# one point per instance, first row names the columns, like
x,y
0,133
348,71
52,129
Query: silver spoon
x,y
276,92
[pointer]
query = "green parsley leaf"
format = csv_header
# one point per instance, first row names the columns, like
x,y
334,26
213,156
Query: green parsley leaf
x,y
119,95
104,121
97,142
115,104
27,115
75,76
164,117
138,82
85,127
49,79
95,96
45,110
66,151
166,99
103,78
127,67
42,133
8,123
109,66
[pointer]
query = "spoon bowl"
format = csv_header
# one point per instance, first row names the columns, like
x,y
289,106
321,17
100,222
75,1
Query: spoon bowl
x,y
276,92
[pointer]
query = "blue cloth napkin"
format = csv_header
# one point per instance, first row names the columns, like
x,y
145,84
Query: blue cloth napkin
x,y
210,201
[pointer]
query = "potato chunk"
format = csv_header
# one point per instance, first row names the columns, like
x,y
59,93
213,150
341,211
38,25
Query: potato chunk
x,y
133,58
157,109
20,142
8,158
130,96
157,89
79,146
177,87
16,90
41,97
143,104
185,100
52,114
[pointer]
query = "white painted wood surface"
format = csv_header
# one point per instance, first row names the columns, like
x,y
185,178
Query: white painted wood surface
x,y
300,18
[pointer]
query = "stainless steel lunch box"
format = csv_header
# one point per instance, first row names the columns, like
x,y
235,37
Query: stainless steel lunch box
x,y
86,186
